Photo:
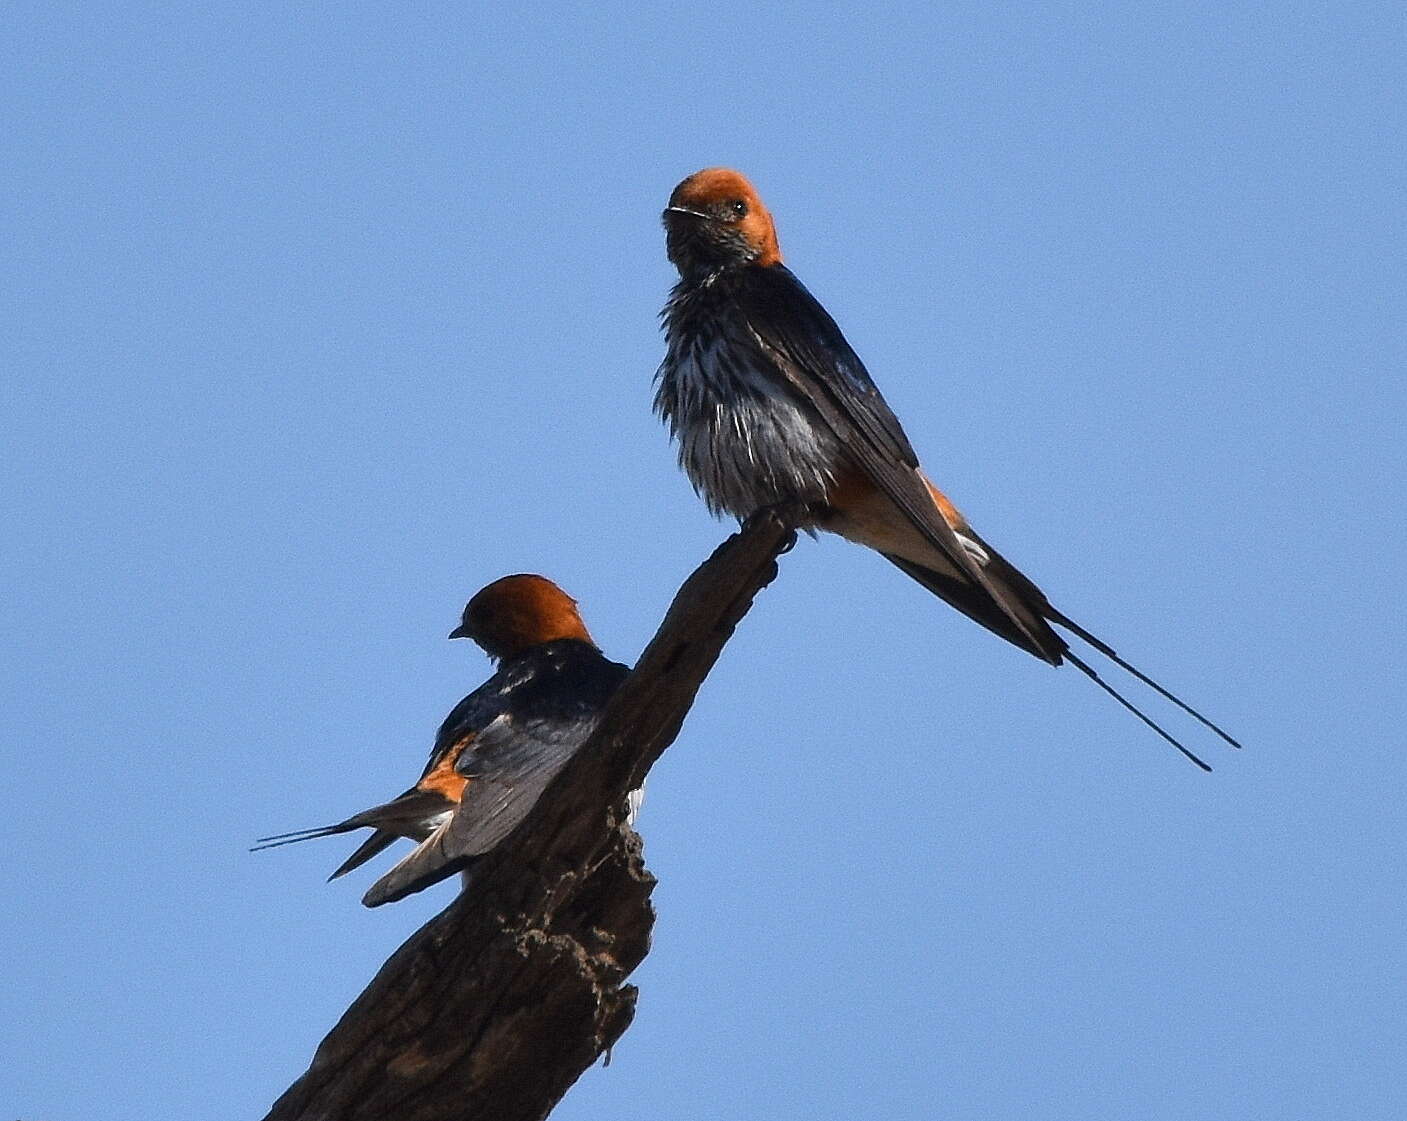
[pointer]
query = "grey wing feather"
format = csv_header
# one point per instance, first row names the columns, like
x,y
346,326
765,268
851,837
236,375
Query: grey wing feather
x,y
509,768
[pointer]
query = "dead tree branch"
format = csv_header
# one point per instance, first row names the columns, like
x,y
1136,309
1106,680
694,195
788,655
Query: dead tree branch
x,y
499,1003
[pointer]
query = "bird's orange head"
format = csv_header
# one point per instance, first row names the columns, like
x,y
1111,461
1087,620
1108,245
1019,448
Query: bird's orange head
x,y
516,613
715,220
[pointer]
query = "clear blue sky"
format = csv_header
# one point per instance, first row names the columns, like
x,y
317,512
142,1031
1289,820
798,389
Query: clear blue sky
x,y
315,318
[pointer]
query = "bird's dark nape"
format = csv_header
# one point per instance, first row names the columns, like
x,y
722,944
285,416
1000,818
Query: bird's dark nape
x,y
1104,648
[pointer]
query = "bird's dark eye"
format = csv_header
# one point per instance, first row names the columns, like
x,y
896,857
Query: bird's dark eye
x,y
738,208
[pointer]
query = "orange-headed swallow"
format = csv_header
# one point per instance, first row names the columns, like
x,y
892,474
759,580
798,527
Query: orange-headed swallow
x,y
771,406
500,746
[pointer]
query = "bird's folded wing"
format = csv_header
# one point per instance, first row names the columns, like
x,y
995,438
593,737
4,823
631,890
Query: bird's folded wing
x,y
804,343
475,711
510,766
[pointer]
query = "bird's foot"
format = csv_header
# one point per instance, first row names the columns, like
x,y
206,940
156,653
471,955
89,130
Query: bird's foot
x,y
791,516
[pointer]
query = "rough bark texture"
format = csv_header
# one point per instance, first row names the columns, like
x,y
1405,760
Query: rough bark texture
x,y
498,1004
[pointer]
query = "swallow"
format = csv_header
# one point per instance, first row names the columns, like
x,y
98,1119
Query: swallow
x,y
499,747
770,406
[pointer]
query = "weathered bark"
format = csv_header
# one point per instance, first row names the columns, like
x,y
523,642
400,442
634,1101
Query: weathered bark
x,y
499,1003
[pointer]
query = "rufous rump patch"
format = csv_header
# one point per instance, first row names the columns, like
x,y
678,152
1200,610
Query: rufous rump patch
x,y
442,778
863,513
951,514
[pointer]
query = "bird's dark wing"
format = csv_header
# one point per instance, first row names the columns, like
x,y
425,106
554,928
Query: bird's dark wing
x,y
512,762
790,322
800,339
547,702
402,817
479,709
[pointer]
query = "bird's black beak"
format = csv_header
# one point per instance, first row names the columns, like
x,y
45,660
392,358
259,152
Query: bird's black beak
x,y
670,211
459,632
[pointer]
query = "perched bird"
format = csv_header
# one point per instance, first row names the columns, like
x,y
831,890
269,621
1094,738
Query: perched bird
x,y
500,746
771,406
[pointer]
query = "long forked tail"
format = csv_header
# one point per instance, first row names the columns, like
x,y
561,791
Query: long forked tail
x,y
409,815
407,810
278,839
1108,651
378,841
1089,672
1011,581
1025,597
1062,620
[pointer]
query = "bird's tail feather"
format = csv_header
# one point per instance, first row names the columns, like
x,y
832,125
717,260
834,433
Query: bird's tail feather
x,y
279,839
1028,598
1062,620
1089,672
400,817
373,845
978,605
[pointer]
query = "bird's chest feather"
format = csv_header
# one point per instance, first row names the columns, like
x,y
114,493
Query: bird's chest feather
x,y
746,438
